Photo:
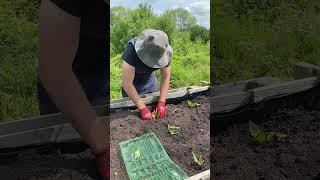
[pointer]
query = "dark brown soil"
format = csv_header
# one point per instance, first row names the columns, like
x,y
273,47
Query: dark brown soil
x,y
235,156
35,164
194,136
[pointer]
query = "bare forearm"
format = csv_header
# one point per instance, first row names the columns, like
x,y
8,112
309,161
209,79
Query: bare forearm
x,y
66,92
133,94
164,88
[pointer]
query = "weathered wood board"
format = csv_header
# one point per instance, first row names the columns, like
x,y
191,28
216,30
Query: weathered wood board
x,y
304,70
229,101
283,89
154,97
201,176
243,86
228,97
233,95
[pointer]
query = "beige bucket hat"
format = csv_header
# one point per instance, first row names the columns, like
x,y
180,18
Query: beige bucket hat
x,y
152,47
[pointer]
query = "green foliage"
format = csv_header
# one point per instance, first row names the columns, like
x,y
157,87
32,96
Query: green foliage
x,y
254,38
18,57
263,137
198,159
192,104
199,32
173,130
183,18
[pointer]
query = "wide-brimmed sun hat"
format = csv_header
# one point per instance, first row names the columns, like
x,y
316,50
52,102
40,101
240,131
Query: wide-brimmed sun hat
x,y
152,47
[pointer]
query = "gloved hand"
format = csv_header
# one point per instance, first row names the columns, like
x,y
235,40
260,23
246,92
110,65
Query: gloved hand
x,y
146,114
161,109
103,164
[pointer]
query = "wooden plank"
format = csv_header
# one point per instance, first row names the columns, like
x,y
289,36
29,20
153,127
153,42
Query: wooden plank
x,y
243,86
68,133
283,89
201,176
40,122
154,97
53,134
304,70
229,102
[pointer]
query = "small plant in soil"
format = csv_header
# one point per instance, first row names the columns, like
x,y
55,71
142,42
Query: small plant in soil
x,y
173,130
137,154
192,104
198,159
263,137
155,114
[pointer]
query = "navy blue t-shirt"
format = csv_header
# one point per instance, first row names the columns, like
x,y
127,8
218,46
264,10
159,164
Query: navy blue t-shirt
x,y
143,73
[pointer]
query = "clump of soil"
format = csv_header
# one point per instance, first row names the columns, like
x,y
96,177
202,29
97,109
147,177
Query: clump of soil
x,y
235,156
36,164
194,135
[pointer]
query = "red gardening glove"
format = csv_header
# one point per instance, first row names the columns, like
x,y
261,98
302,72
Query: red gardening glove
x,y
146,114
161,109
103,164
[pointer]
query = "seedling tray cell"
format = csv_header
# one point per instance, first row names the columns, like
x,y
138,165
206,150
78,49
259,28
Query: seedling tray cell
x,y
153,162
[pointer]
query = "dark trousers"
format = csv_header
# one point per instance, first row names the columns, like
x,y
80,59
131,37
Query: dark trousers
x,y
95,87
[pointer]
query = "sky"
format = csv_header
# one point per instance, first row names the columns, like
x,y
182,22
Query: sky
x,y
199,8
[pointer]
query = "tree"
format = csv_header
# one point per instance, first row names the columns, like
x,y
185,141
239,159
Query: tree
x,y
199,32
184,19
116,14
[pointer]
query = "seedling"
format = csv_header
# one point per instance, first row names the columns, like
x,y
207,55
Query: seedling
x,y
155,114
264,137
137,154
173,130
192,104
198,159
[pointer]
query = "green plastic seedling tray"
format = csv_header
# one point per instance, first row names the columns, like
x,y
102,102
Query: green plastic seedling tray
x,y
153,163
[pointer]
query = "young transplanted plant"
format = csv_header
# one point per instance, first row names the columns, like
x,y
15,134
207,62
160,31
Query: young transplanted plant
x,y
173,130
198,159
137,154
192,104
263,137
155,114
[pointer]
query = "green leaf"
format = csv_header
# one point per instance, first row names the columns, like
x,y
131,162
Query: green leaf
x,y
155,114
137,154
261,138
173,130
192,104
198,159
254,130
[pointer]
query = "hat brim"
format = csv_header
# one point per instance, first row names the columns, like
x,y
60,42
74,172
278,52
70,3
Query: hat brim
x,y
151,61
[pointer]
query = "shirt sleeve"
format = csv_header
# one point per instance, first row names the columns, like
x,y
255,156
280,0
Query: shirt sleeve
x,y
128,55
72,7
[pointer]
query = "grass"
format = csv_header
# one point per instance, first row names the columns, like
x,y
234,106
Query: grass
x,y
18,49
245,48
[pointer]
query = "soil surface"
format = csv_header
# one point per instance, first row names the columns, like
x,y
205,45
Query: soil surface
x,y
235,156
34,164
194,135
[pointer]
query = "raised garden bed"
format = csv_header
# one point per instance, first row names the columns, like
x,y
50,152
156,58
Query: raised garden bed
x,y
194,135
235,154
